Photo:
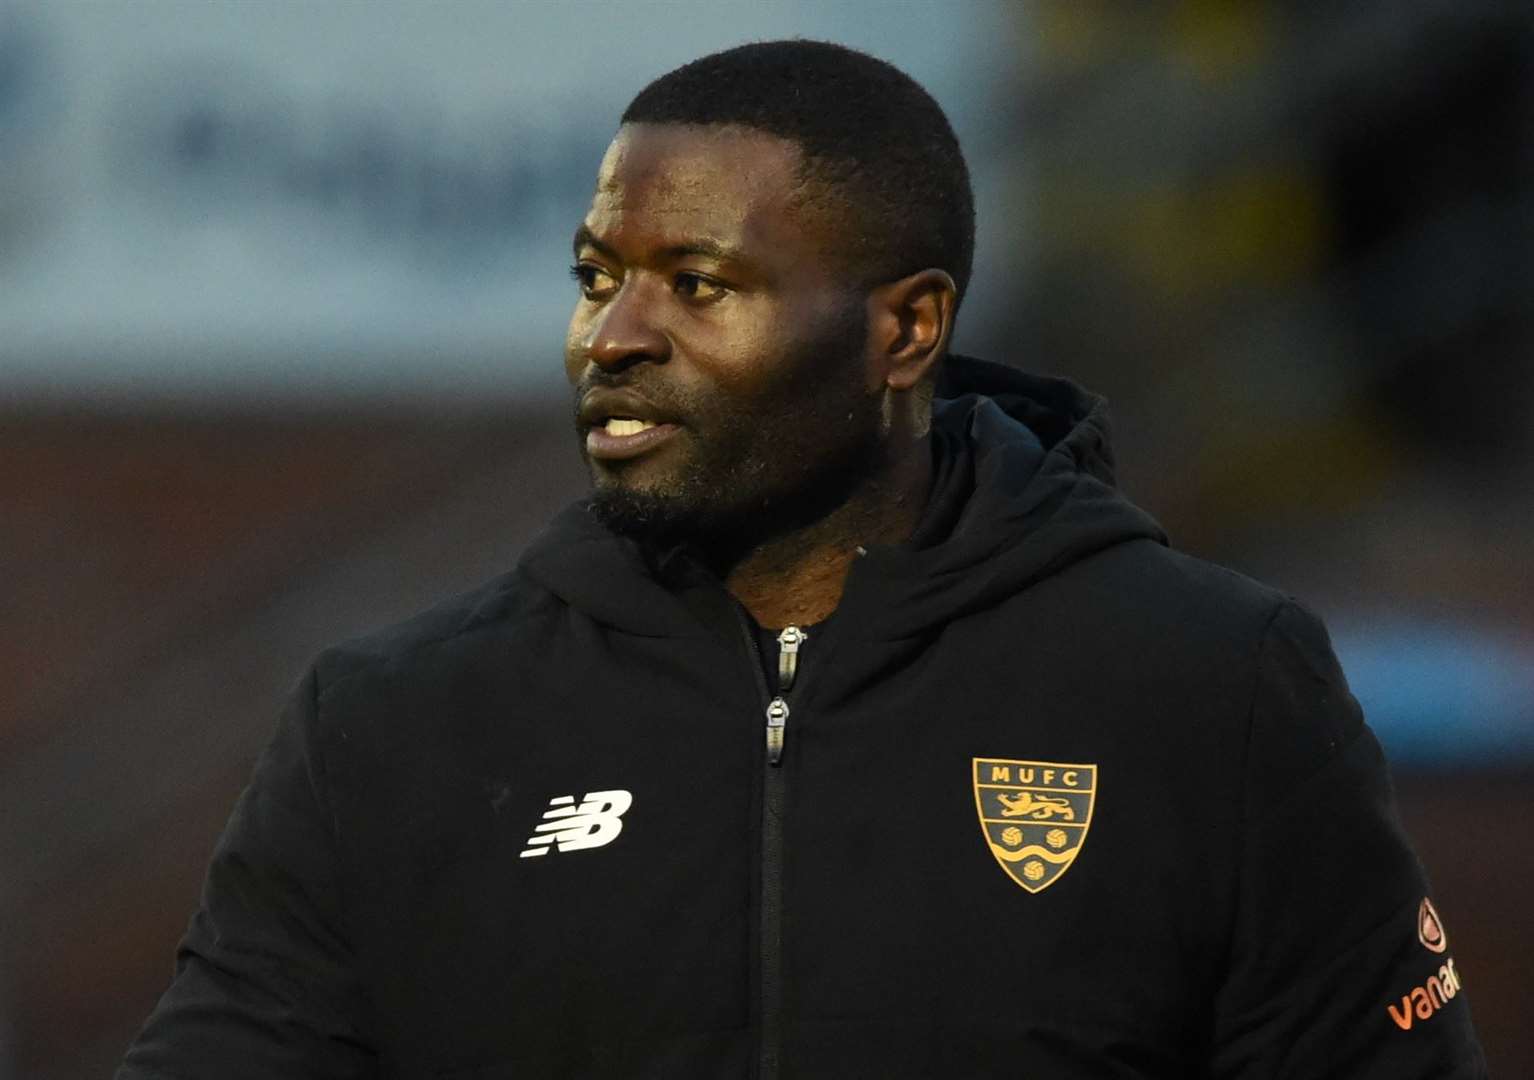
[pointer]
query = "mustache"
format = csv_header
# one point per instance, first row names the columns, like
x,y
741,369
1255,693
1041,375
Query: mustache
x,y
597,378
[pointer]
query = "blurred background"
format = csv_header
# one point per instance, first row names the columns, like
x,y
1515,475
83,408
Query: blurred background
x,y
282,298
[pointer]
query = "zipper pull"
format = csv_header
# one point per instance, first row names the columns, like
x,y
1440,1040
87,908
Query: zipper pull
x,y
777,721
789,640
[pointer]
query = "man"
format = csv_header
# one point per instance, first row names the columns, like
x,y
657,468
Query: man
x,y
855,725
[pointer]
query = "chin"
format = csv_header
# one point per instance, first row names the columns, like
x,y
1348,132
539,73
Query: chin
x,y
650,517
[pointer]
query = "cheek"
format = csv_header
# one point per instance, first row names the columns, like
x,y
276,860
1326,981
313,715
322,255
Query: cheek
x,y
737,353
755,338
575,345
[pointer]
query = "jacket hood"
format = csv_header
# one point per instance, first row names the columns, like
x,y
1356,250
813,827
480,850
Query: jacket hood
x,y
1023,487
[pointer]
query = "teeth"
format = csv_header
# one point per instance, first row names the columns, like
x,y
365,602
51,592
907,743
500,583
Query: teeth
x,y
622,426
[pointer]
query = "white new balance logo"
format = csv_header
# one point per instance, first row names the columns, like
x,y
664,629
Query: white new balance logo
x,y
596,821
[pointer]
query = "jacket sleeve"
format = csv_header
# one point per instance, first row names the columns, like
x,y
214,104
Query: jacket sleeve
x,y
1331,971
264,983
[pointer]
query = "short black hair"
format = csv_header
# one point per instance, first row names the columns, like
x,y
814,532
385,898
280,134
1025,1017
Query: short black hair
x,y
871,137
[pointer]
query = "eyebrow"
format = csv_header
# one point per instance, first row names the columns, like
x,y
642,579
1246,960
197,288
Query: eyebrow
x,y
584,238
703,245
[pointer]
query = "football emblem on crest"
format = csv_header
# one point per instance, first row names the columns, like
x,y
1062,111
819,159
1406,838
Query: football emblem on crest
x,y
1034,815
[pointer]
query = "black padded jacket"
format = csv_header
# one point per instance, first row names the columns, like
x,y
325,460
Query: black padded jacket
x,y
1043,798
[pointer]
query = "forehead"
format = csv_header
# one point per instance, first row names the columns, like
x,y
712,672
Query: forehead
x,y
673,183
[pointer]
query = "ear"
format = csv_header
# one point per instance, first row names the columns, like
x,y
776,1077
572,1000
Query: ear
x,y
910,322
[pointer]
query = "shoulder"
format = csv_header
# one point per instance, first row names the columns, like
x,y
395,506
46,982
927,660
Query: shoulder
x,y
455,626
1280,631
1150,597
1200,633
1298,714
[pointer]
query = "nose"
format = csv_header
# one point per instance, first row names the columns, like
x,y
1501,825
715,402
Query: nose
x,y
624,332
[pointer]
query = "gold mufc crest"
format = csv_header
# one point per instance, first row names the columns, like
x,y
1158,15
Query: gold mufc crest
x,y
1034,814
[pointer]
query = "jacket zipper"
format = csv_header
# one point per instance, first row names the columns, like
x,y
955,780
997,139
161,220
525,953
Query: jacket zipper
x,y
790,641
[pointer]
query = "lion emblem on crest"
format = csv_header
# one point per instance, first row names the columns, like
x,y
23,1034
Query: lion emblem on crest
x,y
1036,807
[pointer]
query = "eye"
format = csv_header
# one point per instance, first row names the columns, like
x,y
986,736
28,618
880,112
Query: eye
x,y
697,288
595,283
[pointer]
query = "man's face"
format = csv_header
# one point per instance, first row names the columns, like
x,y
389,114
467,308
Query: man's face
x,y
718,347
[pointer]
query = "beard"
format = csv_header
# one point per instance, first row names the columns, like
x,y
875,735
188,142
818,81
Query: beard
x,y
754,467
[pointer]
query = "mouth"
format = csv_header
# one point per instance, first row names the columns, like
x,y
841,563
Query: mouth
x,y
626,425
621,437
620,424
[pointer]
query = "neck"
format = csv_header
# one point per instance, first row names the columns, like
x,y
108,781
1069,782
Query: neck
x,y
798,578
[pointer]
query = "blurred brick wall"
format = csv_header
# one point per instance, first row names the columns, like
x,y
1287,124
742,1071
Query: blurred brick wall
x,y
167,577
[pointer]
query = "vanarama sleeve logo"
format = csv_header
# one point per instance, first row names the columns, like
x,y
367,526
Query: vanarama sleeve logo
x,y
1430,927
1437,990
1422,1002
1034,815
